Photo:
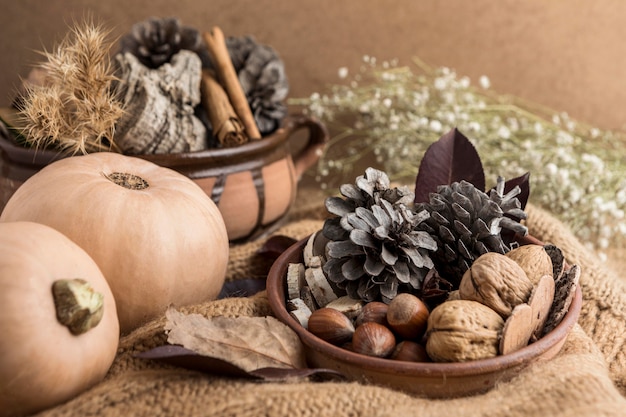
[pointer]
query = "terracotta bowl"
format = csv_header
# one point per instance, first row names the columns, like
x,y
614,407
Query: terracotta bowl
x,y
434,380
254,184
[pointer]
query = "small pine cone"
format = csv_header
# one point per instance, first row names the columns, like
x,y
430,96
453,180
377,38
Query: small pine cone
x,y
155,41
375,250
467,222
263,79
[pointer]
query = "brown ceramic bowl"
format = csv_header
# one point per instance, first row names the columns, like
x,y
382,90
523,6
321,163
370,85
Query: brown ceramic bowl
x,y
434,380
253,185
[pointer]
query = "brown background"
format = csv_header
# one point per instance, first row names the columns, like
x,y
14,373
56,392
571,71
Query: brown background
x,y
565,54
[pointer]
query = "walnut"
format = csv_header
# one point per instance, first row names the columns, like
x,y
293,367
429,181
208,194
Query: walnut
x,y
497,282
463,330
534,260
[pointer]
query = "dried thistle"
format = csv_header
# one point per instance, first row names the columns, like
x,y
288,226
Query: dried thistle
x,y
75,109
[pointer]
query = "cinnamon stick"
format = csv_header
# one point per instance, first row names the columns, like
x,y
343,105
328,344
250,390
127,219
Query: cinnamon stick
x,y
226,125
228,77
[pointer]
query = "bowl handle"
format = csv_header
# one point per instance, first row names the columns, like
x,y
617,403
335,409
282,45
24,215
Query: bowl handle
x,y
317,140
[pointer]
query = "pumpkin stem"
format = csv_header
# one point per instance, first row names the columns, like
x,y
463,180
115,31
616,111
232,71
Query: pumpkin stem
x,y
126,180
78,306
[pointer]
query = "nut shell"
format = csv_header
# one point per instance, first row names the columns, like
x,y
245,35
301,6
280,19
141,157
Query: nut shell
x,y
374,311
407,315
373,339
534,260
331,325
410,351
497,282
463,330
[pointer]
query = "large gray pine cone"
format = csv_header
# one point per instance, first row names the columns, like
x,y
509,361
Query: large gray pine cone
x,y
263,79
466,222
375,249
156,40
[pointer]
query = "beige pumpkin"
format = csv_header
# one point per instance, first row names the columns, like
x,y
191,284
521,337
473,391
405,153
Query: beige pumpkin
x,y
42,363
157,237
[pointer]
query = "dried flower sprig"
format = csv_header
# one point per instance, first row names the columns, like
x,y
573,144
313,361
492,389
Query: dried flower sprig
x,y
394,113
75,109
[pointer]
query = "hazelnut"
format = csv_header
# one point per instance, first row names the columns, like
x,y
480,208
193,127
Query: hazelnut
x,y
331,325
410,351
373,339
463,330
534,260
407,315
374,311
497,282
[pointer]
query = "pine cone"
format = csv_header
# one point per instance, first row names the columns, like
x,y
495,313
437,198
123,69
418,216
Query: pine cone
x,y
466,223
263,79
155,41
375,249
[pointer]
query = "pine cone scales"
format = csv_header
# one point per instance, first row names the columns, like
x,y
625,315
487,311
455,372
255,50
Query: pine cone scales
x,y
467,223
263,79
155,41
375,248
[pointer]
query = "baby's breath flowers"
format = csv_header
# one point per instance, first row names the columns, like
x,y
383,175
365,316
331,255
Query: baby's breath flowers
x,y
393,113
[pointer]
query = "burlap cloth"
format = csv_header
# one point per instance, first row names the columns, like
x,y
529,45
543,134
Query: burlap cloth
x,y
588,377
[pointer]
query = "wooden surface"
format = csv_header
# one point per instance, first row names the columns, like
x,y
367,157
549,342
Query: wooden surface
x,y
566,54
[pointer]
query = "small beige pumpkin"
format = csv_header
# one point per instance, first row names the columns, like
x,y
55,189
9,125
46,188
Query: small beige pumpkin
x,y
43,362
157,237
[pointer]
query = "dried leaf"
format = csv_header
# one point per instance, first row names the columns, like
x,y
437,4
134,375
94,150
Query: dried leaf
x,y
242,287
435,288
249,343
185,358
450,159
275,246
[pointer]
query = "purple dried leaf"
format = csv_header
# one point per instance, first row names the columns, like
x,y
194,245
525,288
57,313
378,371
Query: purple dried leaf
x,y
450,159
275,246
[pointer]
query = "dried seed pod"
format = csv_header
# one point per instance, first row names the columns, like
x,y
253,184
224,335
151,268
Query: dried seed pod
x,y
564,294
410,351
407,316
375,311
331,325
558,260
497,282
373,339
533,259
463,330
